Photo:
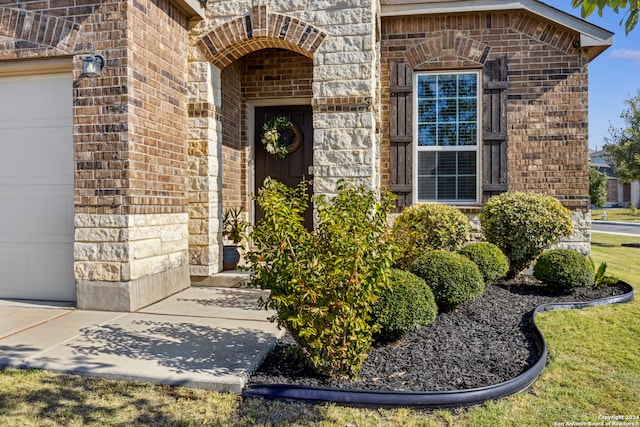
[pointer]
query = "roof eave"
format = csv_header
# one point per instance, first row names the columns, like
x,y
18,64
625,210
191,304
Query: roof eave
x,y
593,38
194,10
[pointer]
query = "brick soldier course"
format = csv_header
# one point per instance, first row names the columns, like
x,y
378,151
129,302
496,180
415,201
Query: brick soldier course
x,y
164,140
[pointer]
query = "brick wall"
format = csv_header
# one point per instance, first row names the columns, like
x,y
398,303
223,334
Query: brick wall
x,y
101,116
158,96
131,152
547,95
233,146
276,73
131,149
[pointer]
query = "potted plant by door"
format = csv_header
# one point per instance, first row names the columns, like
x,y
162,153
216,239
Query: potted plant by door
x,y
233,229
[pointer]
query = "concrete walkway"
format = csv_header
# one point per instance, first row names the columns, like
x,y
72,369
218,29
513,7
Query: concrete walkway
x,y
204,337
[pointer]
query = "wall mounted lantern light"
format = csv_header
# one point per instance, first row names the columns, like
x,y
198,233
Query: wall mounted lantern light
x,y
92,65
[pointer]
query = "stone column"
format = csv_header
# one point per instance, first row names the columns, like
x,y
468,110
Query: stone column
x,y
204,176
345,97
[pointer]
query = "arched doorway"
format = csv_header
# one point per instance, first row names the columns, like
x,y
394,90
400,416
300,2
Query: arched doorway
x,y
257,87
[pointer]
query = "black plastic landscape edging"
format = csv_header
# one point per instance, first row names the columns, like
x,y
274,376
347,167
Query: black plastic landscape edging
x,y
430,399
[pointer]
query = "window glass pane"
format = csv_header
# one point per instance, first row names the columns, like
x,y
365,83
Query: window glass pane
x,y
447,134
427,188
467,163
467,134
467,188
427,86
427,135
467,110
467,84
447,86
427,111
447,163
447,188
426,163
447,110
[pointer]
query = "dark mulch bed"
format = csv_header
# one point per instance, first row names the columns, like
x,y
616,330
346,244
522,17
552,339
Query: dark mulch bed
x,y
482,342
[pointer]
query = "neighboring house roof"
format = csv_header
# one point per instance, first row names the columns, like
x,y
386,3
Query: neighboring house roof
x,y
598,158
600,164
593,39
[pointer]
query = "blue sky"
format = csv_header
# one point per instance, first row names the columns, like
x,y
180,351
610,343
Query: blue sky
x,y
613,76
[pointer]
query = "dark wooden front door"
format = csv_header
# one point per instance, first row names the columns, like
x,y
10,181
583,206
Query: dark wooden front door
x,y
295,166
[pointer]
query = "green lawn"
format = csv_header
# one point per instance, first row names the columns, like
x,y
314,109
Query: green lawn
x,y
593,371
617,214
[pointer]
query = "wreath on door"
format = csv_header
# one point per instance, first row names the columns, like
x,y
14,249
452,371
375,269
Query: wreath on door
x,y
272,140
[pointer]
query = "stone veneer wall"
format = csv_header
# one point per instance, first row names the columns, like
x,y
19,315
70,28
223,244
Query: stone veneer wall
x,y
547,95
125,262
340,37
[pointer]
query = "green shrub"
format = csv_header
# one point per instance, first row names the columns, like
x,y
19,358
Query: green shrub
x,y
493,264
428,226
563,270
524,225
408,304
453,278
324,282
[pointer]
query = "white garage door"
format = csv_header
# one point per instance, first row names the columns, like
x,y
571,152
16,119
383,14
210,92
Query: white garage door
x,y
36,187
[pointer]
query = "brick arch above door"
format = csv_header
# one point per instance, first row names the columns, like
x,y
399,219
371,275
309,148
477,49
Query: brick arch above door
x,y
257,30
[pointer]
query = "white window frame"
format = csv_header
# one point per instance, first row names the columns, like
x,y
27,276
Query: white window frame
x,y
478,146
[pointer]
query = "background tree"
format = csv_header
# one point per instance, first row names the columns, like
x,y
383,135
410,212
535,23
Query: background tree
x,y
597,188
622,149
631,15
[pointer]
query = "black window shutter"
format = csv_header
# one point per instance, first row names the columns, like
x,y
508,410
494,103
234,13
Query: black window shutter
x,y
494,157
401,132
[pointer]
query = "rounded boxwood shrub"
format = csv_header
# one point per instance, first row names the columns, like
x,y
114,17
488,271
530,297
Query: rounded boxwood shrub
x,y
453,278
523,225
563,270
493,264
428,226
408,304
